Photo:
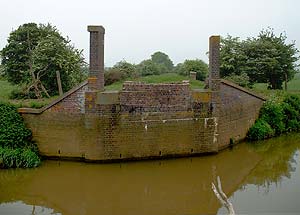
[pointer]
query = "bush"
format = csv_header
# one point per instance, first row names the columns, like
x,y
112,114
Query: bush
x,y
13,132
19,157
260,130
291,109
21,94
16,147
197,65
279,117
272,112
113,75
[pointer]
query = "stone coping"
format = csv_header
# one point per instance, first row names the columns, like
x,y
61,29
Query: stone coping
x,y
41,110
233,85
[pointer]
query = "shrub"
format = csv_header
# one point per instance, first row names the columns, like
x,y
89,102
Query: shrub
x,y
19,157
272,112
260,130
278,116
16,147
113,75
291,109
13,132
21,94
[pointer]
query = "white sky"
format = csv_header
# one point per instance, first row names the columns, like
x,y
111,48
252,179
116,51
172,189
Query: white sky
x,y
137,28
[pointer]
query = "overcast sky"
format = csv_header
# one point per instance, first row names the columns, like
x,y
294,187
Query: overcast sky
x,y
137,28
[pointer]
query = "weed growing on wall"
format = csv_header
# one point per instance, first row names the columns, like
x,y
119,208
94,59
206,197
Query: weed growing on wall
x,y
16,147
277,117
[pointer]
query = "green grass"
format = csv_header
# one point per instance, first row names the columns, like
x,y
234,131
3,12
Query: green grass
x,y
293,87
5,89
155,79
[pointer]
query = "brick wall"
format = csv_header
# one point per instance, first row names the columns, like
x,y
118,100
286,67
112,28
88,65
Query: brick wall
x,y
72,102
238,111
155,97
142,121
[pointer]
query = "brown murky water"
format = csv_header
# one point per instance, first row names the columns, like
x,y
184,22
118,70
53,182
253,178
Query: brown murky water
x,y
258,179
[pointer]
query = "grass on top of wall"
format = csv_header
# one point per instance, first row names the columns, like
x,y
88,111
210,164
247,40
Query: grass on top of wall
x,y
5,92
155,79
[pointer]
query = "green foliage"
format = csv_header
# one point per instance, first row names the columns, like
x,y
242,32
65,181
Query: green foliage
x,y
265,59
119,72
13,132
279,116
163,78
16,147
19,157
197,65
163,61
5,90
148,67
272,113
291,109
242,79
260,130
35,52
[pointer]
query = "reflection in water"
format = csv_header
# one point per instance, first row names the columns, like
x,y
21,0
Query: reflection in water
x,y
179,186
21,208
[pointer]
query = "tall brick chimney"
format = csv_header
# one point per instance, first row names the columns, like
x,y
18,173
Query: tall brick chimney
x,y
214,63
96,71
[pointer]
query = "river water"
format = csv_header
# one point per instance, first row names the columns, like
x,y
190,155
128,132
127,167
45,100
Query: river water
x,y
262,178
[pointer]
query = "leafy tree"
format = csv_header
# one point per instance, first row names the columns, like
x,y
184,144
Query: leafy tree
x,y
33,55
120,71
127,68
242,79
148,67
265,59
163,60
197,65
232,56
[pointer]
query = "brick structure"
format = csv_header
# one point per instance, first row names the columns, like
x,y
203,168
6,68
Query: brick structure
x,y
142,120
96,75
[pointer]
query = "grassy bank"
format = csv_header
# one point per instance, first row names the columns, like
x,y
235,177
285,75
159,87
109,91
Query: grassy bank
x,y
164,78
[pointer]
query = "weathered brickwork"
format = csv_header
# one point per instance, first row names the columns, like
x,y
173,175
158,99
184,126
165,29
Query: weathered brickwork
x,y
73,102
142,120
238,111
140,97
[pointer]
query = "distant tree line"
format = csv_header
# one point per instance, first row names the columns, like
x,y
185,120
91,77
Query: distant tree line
x,y
159,63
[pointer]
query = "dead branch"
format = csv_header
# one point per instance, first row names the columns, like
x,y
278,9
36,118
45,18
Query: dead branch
x,y
221,196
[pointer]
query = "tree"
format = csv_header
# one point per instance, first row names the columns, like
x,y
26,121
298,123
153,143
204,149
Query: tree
x,y
120,71
265,59
33,55
197,65
163,60
148,67
127,68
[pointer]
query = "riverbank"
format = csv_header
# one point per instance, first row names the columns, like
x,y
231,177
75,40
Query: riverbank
x,y
16,146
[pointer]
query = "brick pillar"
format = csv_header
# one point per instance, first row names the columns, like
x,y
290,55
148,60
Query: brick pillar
x,y
214,86
214,63
96,71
